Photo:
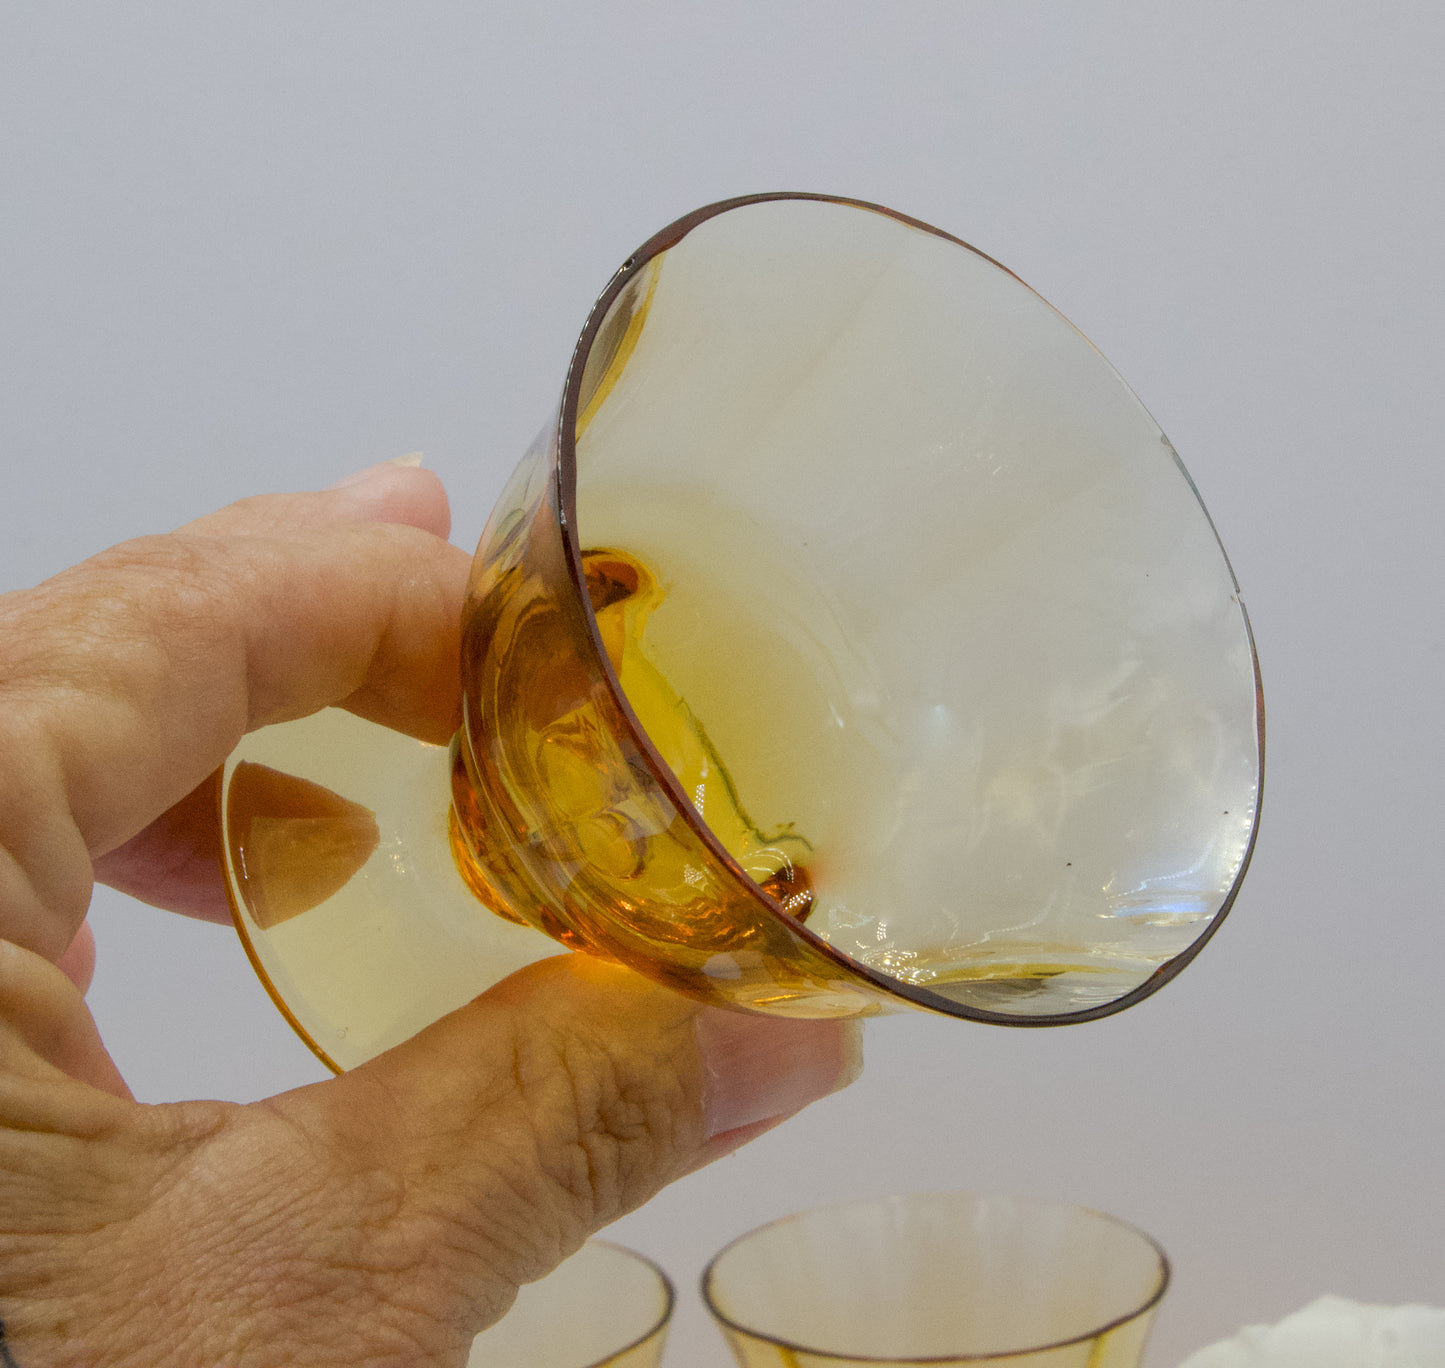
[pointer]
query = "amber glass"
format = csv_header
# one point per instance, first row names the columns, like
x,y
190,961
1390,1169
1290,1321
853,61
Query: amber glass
x,y
939,1278
605,1307
852,639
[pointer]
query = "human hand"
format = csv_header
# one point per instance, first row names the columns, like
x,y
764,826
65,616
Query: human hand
x,y
379,1218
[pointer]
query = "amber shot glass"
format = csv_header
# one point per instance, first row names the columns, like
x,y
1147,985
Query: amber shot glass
x,y
605,1307
852,639
939,1278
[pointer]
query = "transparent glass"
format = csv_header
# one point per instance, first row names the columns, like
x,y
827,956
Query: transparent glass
x,y
605,1307
853,639
939,1278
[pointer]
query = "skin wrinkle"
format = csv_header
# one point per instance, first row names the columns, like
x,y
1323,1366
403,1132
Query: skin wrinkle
x,y
587,1163
46,1031
40,1004
316,1278
44,856
267,698
209,573
606,1129
509,1227
568,1115
417,1238
36,1096
176,584
384,675
107,1179
357,687
620,1130
31,1210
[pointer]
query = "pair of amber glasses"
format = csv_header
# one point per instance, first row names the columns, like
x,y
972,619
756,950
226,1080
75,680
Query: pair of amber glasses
x,y
945,1278
852,639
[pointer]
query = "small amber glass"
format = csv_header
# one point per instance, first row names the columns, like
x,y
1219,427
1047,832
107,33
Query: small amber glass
x,y
605,1307
853,639
939,1278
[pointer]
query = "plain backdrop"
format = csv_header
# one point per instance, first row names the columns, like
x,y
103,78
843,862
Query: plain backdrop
x,y
255,247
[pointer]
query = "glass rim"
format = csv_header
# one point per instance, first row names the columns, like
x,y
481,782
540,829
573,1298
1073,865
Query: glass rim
x,y
661,772
705,1282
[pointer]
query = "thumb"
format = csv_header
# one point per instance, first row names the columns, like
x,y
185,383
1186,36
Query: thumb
x,y
563,1098
383,1217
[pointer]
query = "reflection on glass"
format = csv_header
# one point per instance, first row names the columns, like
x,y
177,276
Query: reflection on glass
x,y
853,639
940,1278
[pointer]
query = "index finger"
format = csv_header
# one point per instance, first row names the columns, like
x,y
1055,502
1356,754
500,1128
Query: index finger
x,y
127,680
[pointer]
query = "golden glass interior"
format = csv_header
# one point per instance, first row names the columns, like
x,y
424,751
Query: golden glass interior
x,y
853,639
940,1278
605,1307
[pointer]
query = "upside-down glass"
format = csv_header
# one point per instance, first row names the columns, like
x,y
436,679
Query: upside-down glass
x,y
605,1307
853,639
939,1278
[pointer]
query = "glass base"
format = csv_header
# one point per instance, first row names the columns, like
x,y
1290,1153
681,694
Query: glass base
x,y
342,885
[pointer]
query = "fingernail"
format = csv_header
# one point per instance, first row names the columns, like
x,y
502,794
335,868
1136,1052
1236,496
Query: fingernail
x,y
761,1068
411,460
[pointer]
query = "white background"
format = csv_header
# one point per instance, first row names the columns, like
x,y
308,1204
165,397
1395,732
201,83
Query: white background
x,y
251,247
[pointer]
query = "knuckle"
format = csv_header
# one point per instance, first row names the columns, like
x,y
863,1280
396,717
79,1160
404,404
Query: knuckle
x,y
172,576
577,1128
93,627
620,1121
